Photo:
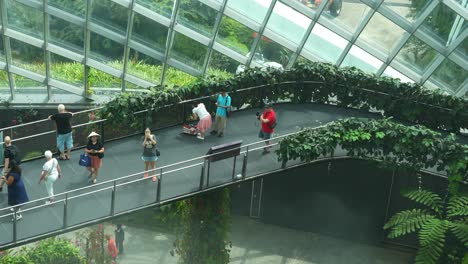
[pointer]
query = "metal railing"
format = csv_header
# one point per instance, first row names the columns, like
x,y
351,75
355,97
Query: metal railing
x,y
161,192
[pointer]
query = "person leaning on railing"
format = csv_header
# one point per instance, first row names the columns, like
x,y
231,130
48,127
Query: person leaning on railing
x,y
64,131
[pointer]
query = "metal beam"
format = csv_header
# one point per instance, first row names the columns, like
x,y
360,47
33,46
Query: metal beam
x,y
307,33
170,37
463,90
87,44
46,52
7,47
358,31
209,51
260,32
131,18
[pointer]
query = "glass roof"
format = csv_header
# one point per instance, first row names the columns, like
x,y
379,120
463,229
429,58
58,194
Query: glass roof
x,y
57,46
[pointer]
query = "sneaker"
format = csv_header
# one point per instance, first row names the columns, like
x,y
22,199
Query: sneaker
x,y
200,137
154,179
265,151
214,132
48,202
220,134
18,217
145,175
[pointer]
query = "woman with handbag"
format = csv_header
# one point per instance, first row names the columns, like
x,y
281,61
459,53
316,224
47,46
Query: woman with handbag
x,y
150,153
50,172
95,150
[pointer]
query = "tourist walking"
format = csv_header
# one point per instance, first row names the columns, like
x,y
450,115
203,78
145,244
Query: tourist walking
x,y
199,110
50,172
16,191
149,155
119,238
64,131
268,120
223,104
95,150
10,152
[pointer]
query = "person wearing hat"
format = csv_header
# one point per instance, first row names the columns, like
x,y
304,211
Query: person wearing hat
x,y
95,150
268,120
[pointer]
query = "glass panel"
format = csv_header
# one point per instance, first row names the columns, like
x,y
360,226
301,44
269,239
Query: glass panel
x,y
76,7
358,58
177,77
348,16
443,24
408,9
197,16
391,72
2,53
381,33
325,44
188,51
163,7
110,15
66,35
106,51
149,32
99,79
221,65
450,74
144,67
462,50
66,70
25,85
288,23
25,19
251,9
416,55
4,83
235,35
27,57
271,54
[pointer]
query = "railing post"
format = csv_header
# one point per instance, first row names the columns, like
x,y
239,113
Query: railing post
x,y
202,176
208,174
183,113
234,168
113,200
145,122
244,164
15,211
65,212
158,190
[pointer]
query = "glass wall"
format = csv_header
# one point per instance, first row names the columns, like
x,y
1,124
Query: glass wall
x,y
413,40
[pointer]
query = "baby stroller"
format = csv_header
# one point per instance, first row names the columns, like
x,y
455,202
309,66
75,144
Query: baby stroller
x,y
190,129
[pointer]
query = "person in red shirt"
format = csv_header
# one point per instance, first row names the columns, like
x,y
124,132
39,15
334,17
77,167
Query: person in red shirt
x,y
111,248
268,120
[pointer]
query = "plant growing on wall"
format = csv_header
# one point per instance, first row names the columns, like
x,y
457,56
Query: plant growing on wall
x,y
310,82
441,225
203,228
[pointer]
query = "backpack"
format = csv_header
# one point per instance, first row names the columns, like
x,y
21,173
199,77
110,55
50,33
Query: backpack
x,y
15,153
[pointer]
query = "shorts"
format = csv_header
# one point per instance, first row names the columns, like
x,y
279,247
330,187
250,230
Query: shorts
x,y
264,135
149,159
64,139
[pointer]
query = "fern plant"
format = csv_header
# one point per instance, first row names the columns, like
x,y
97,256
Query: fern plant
x,y
439,222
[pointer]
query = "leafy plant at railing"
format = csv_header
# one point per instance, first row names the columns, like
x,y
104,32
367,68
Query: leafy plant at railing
x,y
345,87
93,244
414,147
441,224
202,228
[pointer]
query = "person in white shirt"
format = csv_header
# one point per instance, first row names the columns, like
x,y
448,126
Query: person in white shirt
x,y
199,110
50,172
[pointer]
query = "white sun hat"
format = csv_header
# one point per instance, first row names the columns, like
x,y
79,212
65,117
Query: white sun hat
x,y
94,134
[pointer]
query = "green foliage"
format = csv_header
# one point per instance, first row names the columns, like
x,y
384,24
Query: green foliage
x,y
203,228
95,245
435,227
48,251
344,87
394,144
55,251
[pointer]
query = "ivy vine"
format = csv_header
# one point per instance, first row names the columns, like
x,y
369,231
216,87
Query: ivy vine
x,y
414,147
317,82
